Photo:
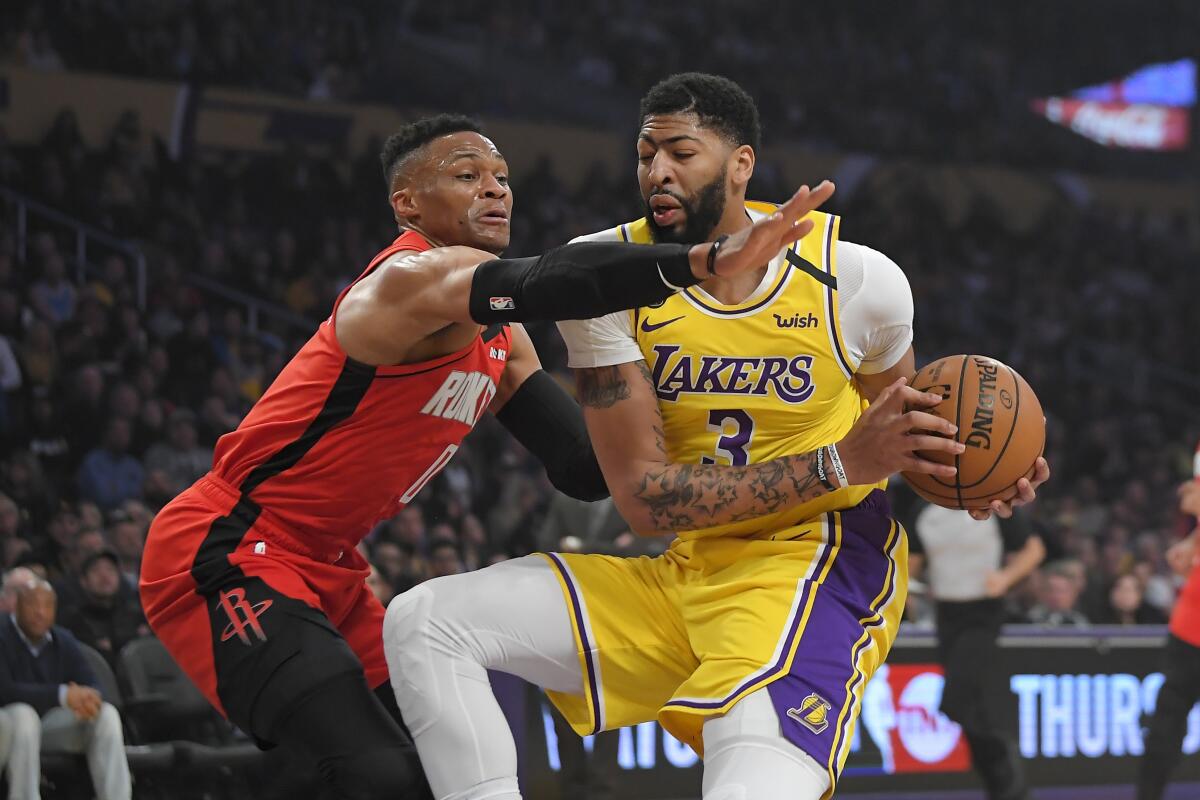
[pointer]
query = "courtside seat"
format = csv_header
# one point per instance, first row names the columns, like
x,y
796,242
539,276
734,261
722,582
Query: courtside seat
x,y
68,773
171,708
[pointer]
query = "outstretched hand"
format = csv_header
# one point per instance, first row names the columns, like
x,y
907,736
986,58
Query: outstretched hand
x,y
754,246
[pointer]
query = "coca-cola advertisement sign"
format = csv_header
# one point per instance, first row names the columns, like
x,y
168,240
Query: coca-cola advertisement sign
x,y
1136,126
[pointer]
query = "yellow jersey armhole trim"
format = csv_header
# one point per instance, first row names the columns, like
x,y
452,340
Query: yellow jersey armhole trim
x,y
762,206
829,252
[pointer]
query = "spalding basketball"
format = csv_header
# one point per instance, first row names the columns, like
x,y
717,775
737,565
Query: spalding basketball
x,y
999,420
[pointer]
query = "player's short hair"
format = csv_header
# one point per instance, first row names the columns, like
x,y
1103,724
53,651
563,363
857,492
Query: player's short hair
x,y
417,134
720,104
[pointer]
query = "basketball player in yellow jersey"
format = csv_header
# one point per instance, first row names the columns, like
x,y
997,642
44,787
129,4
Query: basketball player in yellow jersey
x,y
735,415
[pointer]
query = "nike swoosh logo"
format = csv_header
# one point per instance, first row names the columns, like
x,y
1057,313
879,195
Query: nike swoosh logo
x,y
647,327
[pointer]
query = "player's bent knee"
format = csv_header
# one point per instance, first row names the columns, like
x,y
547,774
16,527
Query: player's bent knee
x,y
406,645
747,757
376,773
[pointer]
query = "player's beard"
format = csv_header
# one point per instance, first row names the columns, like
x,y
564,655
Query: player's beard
x,y
703,213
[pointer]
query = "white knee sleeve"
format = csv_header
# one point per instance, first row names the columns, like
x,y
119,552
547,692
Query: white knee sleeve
x,y
406,643
441,637
746,757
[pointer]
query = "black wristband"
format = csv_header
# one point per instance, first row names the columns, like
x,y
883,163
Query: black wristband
x,y
578,281
712,254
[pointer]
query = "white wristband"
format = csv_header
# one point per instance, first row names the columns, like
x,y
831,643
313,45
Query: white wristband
x,y
835,461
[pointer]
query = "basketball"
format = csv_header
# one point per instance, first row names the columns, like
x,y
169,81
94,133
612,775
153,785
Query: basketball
x,y
1000,421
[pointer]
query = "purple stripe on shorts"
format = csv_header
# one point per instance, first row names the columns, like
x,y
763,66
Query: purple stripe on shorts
x,y
806,589
577,610
810,698
862,644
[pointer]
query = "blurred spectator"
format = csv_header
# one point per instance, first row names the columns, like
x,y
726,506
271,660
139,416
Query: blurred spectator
x,y
380,586
14,579
128,537
180,458
69,567
408,528
10,380
190,354
1058,598
596,525
53,296
396,565
109,475
50,700
107,618
444,558
1126,605
84,411
10,518
62,530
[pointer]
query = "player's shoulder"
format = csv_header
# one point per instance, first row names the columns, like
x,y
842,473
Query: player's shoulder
x,y
636,231
607,235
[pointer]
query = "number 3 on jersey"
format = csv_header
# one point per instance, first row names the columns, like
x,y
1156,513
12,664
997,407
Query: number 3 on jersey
x,y
735,444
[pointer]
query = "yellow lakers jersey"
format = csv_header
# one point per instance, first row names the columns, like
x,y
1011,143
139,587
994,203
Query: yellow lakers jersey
x,y
768,377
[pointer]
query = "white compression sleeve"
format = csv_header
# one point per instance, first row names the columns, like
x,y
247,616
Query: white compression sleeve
x,y
746,757
442,636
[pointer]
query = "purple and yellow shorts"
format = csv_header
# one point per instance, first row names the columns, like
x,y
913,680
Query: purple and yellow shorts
x,y
809,613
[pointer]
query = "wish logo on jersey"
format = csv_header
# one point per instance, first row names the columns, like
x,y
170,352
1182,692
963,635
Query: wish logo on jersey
x,y
463,396
790,378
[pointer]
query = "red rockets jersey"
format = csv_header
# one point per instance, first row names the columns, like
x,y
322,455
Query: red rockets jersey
x,y
336,445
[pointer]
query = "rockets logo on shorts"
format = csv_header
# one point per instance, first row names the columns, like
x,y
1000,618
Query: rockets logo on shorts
x,y
242,616
813,713
463,396
502,303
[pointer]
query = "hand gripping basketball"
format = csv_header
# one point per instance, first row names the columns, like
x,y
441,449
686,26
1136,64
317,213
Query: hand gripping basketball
x,y
754,246
886,438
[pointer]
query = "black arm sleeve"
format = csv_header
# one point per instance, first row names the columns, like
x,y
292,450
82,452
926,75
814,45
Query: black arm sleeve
x,y
549,423
578,281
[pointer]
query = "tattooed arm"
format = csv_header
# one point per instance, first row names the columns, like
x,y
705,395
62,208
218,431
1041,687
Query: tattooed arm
x,y
657,496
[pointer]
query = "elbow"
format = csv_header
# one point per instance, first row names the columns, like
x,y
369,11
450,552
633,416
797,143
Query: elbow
x,y
584,492
579,478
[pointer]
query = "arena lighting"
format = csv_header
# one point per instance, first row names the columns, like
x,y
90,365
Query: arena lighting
x,y
1145,110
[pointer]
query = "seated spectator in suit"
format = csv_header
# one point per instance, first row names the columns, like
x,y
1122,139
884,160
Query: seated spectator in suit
x,y
105,618
49,701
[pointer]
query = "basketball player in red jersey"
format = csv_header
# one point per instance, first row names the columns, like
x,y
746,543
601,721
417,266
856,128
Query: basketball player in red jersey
x,y
251,577
1181,662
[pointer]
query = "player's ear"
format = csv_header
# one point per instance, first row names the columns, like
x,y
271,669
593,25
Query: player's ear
x,y
741,165
404,205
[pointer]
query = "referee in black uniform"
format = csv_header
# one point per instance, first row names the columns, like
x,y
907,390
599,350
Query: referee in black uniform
x,y
971,565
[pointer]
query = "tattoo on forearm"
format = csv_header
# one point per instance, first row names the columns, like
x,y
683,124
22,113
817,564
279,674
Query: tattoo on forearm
x,y
601,387
689,497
